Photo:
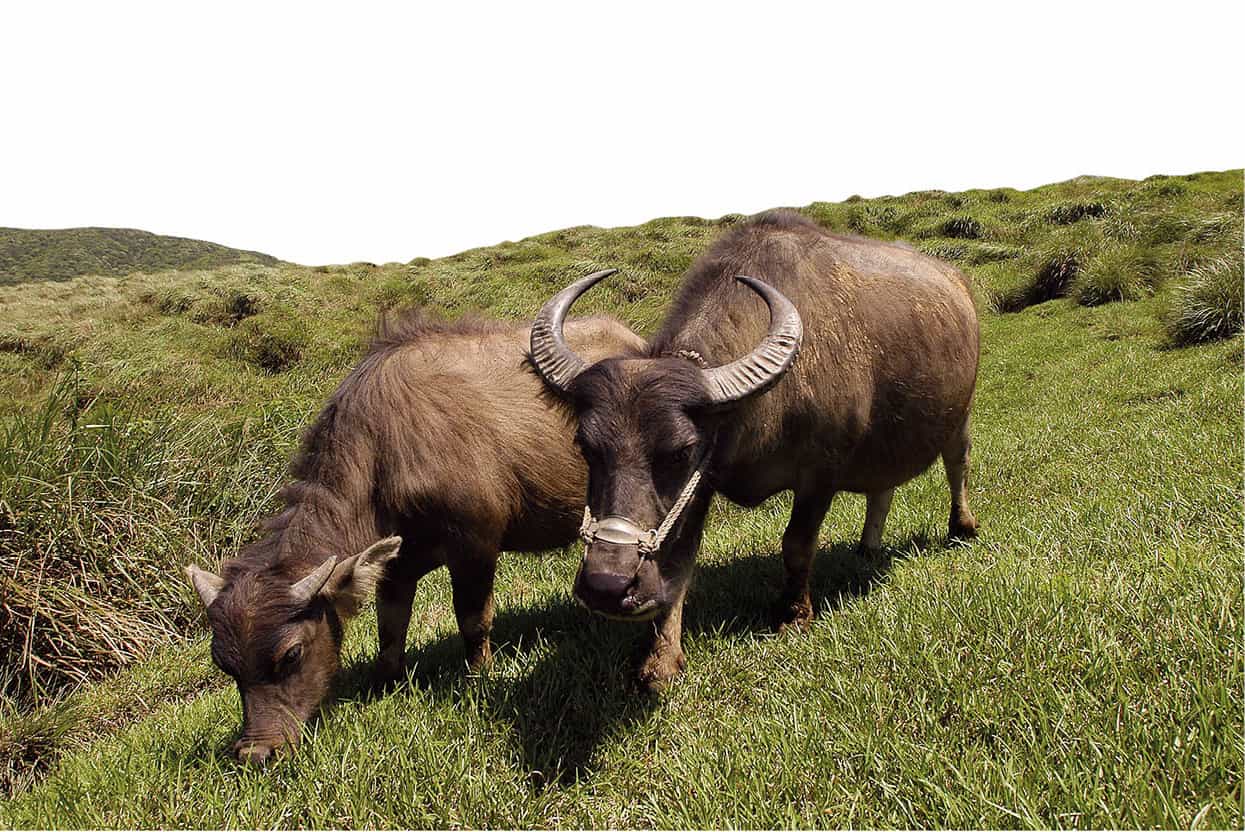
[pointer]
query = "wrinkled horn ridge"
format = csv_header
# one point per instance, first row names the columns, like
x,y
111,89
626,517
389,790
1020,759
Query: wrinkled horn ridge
x,y
556,362
764,366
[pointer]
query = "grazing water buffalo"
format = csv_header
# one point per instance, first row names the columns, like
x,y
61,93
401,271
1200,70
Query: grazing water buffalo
x,y
443,445
718,403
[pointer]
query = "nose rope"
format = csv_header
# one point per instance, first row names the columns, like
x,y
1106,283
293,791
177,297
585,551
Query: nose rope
x,y
649,541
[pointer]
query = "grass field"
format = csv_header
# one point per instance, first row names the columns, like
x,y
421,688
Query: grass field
x,y
1080,665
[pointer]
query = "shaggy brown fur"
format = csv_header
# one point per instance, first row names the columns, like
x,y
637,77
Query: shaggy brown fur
x,y
441,435
882,387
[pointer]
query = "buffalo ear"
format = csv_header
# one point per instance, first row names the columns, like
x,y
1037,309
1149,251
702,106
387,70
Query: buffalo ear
x,y
207,584
355,578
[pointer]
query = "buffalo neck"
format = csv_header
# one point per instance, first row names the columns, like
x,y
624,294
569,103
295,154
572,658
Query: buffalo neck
x,y
315,524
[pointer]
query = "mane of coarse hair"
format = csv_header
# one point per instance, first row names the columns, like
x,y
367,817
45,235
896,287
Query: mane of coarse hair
x,y
404,326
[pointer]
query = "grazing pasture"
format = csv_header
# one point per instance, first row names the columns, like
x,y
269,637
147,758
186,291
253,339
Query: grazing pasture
x,y
1079,665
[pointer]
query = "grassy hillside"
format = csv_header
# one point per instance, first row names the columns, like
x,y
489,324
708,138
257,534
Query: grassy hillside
x,y
37,255
1078,666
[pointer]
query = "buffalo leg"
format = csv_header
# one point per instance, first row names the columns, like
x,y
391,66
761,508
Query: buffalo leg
x,y
665,657
394,595
471,577
962,524
877,506
799,545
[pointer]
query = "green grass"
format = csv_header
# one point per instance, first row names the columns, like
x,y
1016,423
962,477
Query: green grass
x,y
33,255
1078,666
1209,304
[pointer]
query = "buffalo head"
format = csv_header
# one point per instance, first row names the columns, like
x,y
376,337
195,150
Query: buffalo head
x,y
280,639
646,428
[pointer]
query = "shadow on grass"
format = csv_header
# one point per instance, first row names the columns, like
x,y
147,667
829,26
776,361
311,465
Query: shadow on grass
x,y
582,691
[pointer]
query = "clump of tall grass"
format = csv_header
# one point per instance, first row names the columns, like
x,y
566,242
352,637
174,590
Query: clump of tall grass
x,y
227,307
944,250
1074,212
1053,268
873,220
1208,305
962,228
45,351
1117,273
272,342
983,253
99,508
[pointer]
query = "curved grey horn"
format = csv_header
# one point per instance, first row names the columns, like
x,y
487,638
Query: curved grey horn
x,y
764,366
306,588
556,362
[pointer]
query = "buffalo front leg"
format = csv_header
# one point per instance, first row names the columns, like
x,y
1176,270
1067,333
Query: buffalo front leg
x,y
665,658
471,577
955,457
394,595
799,545
877,506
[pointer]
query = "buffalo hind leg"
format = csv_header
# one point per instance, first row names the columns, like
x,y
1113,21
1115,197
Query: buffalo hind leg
x,y
799,546
955,457
471,577
395,593
877,506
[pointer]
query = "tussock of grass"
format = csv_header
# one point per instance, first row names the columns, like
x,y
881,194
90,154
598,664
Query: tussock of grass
x,y
1208,304
1053,268
944,250
273,342
1075,212
962,228
1118,273
99,508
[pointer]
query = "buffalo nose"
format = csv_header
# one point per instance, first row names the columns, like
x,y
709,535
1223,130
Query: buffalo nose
x,y
602,588
251,752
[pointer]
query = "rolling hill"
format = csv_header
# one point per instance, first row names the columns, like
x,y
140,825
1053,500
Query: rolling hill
x,y
38,255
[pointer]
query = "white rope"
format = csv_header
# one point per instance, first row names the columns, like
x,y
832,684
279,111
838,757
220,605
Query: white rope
x,y
653,538
659,536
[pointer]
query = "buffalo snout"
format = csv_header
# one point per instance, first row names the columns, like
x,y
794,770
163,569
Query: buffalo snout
x,y
608,581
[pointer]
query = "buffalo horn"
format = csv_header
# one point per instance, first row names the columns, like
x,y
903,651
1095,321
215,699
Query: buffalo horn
x,y
306,588
764,366
556,362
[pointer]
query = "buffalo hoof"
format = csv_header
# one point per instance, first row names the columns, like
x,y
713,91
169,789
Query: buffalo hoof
x,y
870,555
963,528
659,670
479,658
384,678
793,616
252,753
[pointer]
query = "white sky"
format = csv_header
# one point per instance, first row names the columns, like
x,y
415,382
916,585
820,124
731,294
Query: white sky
x,y
357,131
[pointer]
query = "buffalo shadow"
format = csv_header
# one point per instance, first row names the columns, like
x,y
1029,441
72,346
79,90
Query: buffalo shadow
x,y
584,689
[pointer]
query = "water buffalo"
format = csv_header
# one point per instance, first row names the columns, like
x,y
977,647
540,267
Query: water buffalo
x,y
440,448
717,402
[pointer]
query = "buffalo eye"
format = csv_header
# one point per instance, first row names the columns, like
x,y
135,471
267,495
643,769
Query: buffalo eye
x,y
677,457
290,659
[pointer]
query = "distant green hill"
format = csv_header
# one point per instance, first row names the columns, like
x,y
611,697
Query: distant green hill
x,y
35,255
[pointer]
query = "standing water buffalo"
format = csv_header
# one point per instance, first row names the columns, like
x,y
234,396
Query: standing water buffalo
x,y
440,437
718,403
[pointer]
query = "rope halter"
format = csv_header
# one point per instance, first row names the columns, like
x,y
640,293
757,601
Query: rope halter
x,y
623,531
